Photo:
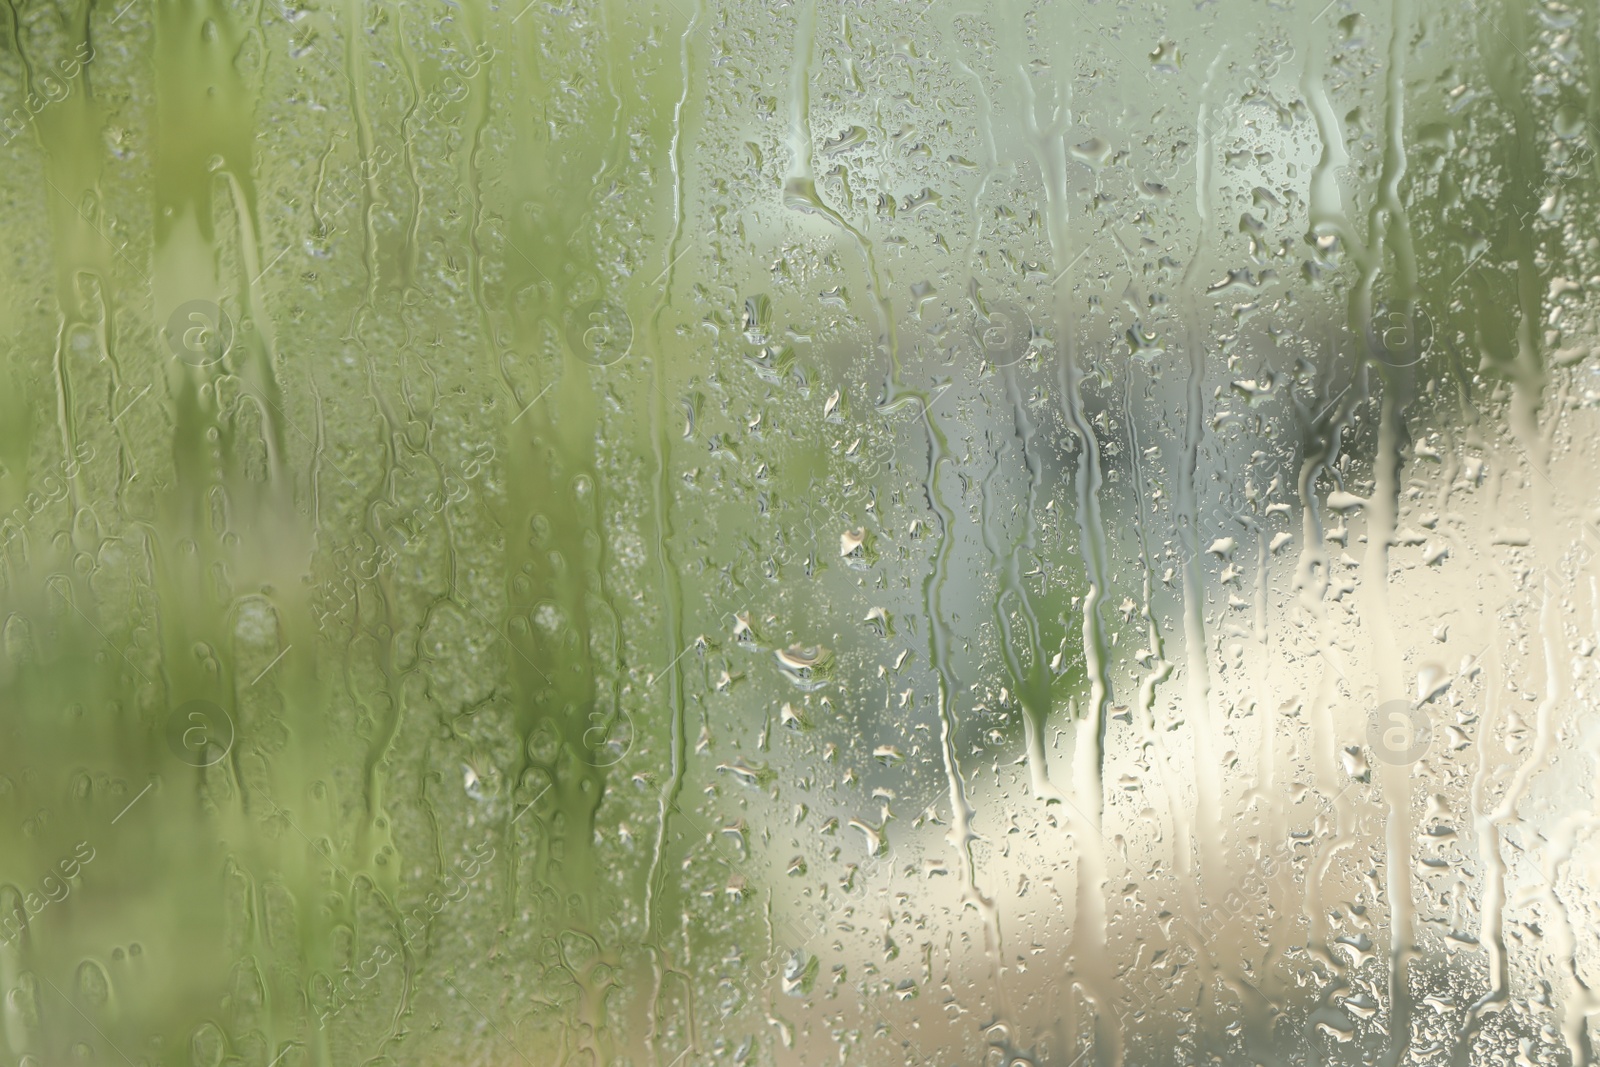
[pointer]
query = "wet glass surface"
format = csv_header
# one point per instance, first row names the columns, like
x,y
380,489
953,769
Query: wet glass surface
x,y
719,532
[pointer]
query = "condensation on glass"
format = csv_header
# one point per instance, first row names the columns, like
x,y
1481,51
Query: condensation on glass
x,y
879,533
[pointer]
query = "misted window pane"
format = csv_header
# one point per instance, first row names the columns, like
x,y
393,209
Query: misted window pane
x,y
692,532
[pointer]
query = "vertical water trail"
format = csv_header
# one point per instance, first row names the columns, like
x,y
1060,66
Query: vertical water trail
x,y
355,41
1396,778
1322,432
255,309
1388,214
961,835
79,247
991,158
1090,964
1197,668
618,127
1491,934
1031,680
1049,148
1271,823
1312,582
800,194
1037,703
800,97
1529,378
1160,668
1325,200
1525,185
1577,1001
407,65
672,612
1581,1000
355,35
388,720
1488,823
1266,771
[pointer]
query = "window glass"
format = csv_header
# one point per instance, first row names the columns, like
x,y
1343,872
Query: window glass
x,y
714,531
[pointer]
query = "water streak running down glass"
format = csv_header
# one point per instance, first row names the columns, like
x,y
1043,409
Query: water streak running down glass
x,y
692,532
